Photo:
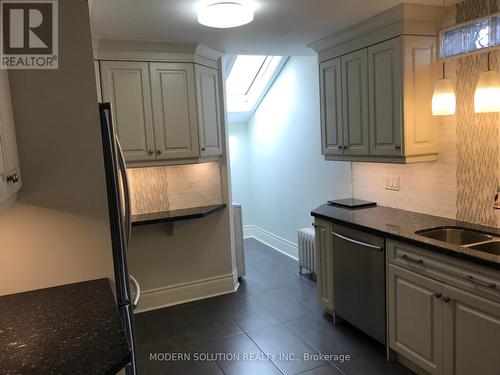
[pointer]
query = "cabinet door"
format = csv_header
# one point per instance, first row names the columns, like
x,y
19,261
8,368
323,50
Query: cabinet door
x,y
209,115
126,85
420,126
9,161
472,334
416,318
385,98
355,103
174,110
324,263
331,107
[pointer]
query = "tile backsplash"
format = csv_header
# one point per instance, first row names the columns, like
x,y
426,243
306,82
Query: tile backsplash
x,y
174,187
424,187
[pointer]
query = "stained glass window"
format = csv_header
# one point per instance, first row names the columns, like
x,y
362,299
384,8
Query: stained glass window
x,y
479,34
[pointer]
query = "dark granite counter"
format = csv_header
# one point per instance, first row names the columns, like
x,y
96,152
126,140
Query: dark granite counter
x,y
68,329
402,225
175,215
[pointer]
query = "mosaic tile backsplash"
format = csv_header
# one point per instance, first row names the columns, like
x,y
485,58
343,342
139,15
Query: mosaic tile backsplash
x,y
174,187
477,146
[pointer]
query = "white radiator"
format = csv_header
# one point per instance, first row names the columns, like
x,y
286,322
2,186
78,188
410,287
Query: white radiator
x,y
306,250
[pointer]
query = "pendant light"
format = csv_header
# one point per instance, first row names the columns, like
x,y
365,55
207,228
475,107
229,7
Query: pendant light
x,y
487,96
444,100
224,14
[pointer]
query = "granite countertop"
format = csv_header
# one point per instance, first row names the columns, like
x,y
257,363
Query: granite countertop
x,y
175,215
402,225
68,329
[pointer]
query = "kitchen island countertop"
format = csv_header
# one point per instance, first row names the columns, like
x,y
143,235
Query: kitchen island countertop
x,y
67,329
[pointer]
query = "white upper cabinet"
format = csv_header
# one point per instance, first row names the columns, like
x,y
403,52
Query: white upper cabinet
x,y
331,104
10,175
376,103
385,87
420,127
209,114
174,110
385,92
355,103
126,85
164,111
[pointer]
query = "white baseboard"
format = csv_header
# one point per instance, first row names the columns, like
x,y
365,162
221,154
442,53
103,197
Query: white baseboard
x,y
187,292
276,242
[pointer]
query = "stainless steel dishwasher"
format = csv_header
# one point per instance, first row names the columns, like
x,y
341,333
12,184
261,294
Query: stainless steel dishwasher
x,y
359,280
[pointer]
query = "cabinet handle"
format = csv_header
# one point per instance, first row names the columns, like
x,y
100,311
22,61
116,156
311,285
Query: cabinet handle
x,y
345,238
14,178
158,151
446,299
438,295
481,282
340,147
150,152
397,147
345,147
203,149
410,259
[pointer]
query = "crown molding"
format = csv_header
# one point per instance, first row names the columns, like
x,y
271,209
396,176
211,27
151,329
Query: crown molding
x,y
403,19
145,50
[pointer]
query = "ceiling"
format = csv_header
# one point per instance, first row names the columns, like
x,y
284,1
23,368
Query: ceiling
x,y
281,27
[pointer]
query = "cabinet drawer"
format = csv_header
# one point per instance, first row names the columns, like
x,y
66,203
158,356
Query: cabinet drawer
x,y
461,274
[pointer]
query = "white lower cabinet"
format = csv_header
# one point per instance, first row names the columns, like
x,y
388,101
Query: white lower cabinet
x,y
416,318
324,262
440,328
472,334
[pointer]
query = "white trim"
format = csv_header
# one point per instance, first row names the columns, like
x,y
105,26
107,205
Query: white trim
x,y
272,240
187,292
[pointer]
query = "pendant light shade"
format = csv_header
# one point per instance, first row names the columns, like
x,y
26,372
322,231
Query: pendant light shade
x,y
443,99
225,13
487,96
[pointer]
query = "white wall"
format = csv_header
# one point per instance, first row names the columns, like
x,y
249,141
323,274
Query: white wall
x,y
58,231
240,166
285,175
196,259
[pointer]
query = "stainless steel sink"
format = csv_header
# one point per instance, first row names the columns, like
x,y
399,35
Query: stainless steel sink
x,y
455,235
492,247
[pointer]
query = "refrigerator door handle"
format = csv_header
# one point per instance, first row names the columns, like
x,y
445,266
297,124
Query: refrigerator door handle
x,y
137,288
126,192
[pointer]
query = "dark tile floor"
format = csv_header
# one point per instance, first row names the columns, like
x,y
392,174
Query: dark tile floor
x,y
275,312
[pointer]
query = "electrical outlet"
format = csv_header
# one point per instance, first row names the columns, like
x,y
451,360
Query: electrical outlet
x,y
392,183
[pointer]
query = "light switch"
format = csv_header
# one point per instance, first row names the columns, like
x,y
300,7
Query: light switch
x,y
392,183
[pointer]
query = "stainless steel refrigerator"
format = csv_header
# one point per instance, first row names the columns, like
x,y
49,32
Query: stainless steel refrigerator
x,y
120,226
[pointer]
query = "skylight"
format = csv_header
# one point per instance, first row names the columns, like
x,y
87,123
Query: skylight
x,y
249,80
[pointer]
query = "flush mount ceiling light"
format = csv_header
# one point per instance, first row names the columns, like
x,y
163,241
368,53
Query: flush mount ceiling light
x,y
443,99
225,13
487,96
